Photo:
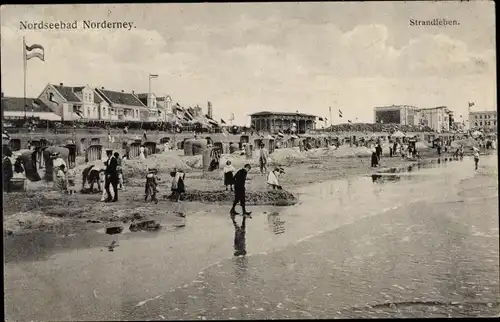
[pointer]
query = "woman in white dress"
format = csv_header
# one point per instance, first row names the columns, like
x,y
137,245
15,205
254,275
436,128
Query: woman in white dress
x,y
272,178
142,149
56,164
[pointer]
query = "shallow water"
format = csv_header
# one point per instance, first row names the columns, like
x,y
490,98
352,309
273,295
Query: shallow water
x,y
427,243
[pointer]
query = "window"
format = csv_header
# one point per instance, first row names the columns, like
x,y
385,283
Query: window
x,y
88,111
475,123
480,123
103,112
475,116
480,116
70,108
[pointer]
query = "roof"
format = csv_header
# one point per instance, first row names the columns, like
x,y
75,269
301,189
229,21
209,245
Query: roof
x,y
265,113
67,93
113,97
97,98
432,108
16,104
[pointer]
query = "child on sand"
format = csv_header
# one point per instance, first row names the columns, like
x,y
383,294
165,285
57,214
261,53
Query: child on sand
x,y
151,185
71,184
178,188
228,175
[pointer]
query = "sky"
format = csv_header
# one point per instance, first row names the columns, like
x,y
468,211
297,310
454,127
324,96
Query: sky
x,y
251,57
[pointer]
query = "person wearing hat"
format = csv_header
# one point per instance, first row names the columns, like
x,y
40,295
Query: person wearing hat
x,y
263,155
374,158
151,185
8,173
272,178
476,157
111,176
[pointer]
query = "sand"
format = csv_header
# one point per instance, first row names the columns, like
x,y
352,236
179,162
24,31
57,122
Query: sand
x,y
202,187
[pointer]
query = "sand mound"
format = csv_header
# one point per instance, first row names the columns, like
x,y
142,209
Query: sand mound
x,y
467,143
287,157
164,162
270,197
345,151
29,220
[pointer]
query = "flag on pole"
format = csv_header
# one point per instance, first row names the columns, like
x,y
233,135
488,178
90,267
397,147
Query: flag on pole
x,y
31,53
222,121
349,121
340,113
326,119
153,75
231,118
471,104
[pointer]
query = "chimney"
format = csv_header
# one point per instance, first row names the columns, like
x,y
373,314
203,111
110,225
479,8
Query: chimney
x,y
102,87
123,91
133,92
61,84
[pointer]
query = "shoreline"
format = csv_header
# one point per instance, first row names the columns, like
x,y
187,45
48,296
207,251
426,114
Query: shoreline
x,y
49,211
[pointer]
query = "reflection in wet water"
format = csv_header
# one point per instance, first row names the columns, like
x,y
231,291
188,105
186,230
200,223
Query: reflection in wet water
x,y
239,236
397,242
276,225
378,178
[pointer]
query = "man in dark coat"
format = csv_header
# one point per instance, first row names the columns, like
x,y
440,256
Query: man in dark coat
x,y
8,173
111,176
239,190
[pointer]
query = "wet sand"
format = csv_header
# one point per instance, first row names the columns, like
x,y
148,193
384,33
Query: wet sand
x,y
63,214
426,245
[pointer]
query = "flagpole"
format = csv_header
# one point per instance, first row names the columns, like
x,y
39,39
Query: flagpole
x,y
330,110
24,72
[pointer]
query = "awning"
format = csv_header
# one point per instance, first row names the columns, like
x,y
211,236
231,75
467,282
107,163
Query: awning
x,y
49,117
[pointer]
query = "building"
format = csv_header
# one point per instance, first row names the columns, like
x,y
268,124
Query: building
x,y
123,106
156,113
14,108
485,121
198,112
273,122
439,119
71,103
396,114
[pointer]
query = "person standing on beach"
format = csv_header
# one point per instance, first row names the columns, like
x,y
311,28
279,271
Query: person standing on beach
x,y
239,189
229,175
8,173
476,157
263,155
142,155
111,176
178,188
374,158
151,185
